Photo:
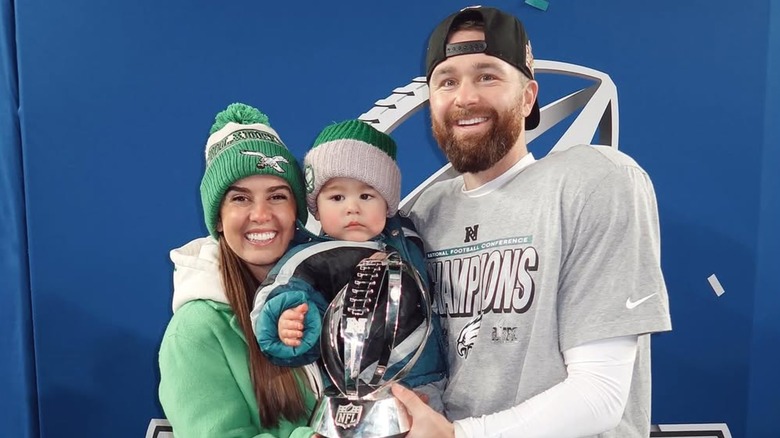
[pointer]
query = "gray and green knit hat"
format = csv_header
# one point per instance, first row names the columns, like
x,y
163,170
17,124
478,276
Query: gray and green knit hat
x,y
242,143
353,149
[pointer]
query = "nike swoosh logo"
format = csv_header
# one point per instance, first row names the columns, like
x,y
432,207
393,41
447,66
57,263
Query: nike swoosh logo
x,y
631,304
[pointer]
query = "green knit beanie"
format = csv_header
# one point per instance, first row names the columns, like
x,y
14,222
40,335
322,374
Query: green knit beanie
x,y
353,149
242,143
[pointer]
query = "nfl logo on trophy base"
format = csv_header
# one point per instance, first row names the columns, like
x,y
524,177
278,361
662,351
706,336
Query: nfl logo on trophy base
x,y
372,334
348,416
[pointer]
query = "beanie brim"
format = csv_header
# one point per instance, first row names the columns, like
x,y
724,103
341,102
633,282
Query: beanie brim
x,y
349,158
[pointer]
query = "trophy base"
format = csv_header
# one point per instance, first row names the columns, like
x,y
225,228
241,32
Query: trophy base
x,y
381,416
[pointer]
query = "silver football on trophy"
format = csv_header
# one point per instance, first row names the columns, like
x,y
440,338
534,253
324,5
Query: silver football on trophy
x,y
373,332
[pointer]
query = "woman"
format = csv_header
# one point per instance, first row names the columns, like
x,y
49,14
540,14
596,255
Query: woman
x,y
213,382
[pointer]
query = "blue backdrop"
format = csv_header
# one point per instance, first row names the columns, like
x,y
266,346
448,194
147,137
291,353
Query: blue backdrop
x,y
105,109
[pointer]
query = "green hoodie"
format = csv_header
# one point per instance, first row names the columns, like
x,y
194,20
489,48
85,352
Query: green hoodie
x,y
205,386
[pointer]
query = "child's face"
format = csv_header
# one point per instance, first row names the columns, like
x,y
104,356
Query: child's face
x,y
352,210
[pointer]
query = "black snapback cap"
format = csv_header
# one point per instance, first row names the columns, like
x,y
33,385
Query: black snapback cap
x,y
505,38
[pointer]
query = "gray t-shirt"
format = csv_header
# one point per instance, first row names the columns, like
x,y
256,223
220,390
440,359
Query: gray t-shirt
x,y
559,253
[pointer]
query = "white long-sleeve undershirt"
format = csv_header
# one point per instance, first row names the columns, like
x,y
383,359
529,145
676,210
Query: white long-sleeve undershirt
x,y
589,401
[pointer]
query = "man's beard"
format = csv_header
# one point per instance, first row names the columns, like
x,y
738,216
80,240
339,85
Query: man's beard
x,y
478,152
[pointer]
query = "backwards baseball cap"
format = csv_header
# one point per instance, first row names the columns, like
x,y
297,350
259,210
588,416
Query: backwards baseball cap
x,y
505,38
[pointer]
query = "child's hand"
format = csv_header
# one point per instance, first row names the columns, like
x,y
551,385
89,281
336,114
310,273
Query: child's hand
x,y
378,256
291,325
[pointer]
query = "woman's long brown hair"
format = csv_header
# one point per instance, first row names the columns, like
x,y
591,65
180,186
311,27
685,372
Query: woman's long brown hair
x,y
276,388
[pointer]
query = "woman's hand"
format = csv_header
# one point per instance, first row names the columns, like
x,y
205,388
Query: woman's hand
x,y
291,325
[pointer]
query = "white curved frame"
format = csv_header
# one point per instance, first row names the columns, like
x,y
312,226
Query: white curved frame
x,y
598,102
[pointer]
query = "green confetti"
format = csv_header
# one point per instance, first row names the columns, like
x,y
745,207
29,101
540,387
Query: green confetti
x,y
538,4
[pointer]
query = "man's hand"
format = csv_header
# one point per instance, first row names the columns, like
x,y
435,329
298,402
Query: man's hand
x,y
426,423
291,325
423,397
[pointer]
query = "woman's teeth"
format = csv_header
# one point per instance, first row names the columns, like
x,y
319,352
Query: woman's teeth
x,y
261,237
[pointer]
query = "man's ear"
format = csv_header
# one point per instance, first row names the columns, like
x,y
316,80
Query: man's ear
x,y
529,97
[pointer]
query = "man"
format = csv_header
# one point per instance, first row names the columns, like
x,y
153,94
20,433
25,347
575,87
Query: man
x,y
547,273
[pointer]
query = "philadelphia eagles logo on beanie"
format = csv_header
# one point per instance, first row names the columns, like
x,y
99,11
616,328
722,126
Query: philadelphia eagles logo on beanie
x,y
308,173
264,161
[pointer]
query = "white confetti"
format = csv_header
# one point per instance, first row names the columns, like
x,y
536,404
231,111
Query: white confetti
x,y
716,286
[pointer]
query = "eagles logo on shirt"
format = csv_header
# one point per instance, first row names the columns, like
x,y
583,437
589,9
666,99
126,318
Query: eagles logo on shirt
x,y
468,335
